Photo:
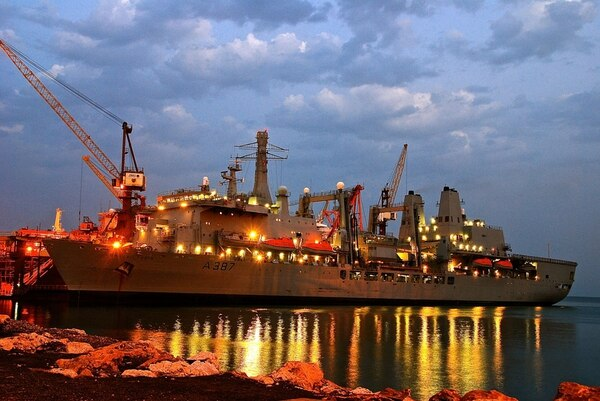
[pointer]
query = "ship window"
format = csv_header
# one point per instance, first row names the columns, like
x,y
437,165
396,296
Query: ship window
x,y
355,275
416,278
402,278
371,276
427,279
572,276
438,280
446,219
343,274
451,280
387,276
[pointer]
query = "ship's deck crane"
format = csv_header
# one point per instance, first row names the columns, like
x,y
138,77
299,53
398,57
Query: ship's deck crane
x,y
386,210
124,181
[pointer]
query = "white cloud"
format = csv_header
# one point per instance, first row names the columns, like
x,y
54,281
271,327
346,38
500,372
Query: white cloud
x,y
74,40
13,129
294,102
177,111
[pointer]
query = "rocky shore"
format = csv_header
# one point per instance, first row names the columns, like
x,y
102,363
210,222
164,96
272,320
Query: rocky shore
x,y
69,364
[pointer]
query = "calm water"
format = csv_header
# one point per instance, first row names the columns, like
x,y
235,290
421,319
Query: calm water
x,y
524,352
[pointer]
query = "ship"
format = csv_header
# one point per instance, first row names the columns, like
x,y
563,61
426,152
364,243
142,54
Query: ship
x,y
252,248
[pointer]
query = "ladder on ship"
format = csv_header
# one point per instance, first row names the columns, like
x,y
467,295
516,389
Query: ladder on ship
x,y
35,274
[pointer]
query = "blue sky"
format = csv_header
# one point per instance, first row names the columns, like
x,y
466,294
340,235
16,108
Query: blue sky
x,y
498,99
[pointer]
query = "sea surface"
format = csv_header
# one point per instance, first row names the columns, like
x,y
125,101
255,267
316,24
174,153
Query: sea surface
x,y
524,352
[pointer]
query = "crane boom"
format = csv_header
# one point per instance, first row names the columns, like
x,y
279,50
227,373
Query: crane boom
x,y
102,177
393,189
61,111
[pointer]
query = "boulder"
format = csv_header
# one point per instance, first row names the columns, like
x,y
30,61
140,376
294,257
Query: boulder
x,y
113,359
395,395
569,391
138,373
207,358
171,368
486,395
27,342
446,395
65,372
200,368
78,348
306,375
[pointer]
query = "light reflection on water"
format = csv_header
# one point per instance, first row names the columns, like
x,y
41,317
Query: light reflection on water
x,y
424,348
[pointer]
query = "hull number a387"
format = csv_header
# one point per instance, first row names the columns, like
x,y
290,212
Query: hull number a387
x,y
225,266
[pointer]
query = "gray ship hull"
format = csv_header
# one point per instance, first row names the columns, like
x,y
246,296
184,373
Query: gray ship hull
x,y
89,268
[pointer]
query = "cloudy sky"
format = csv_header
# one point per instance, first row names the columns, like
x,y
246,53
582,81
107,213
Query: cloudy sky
x,y
498,99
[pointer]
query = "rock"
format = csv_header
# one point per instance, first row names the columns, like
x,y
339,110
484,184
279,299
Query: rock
x,y
361,391
65,372
331,388
305,375
205,356
170,368
266,380
26,342
4,318
395,395
78,348
138,373
446,395
111,360
200,368
183,369
569,391
486,395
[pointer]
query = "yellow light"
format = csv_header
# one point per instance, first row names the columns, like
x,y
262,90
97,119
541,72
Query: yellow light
x,y
161,207
253,235
208,249
242,253
116,245
259,257
228,251
424,238
197,249
222,255
184,204
269,254
281,255
317,258
29,249
179,248
432,220
438,237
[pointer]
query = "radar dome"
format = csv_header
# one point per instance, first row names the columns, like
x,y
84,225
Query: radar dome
x,y
306,190
340,185
282,190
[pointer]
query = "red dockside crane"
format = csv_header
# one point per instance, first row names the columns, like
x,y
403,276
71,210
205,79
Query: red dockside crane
x,y
124,183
